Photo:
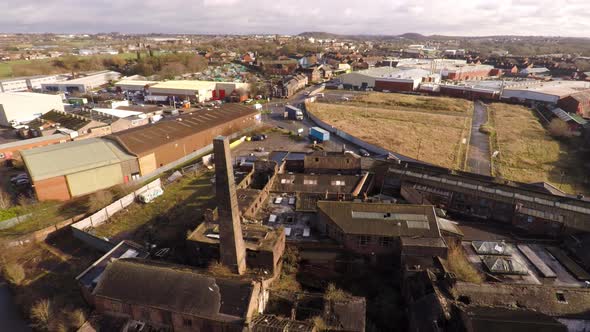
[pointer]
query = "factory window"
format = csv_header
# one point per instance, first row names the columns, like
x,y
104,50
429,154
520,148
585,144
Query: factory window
x,y
363,240
560,297
310,181
386,241
187,322
317,160
338,183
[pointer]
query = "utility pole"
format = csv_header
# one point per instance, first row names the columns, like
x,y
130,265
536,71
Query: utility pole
x,y
419,148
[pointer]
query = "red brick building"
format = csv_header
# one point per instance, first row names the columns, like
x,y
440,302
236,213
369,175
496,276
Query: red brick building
x,y
382,229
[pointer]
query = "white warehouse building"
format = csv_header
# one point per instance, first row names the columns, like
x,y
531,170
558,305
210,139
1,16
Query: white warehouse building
x,y
83,84
546,92
26,106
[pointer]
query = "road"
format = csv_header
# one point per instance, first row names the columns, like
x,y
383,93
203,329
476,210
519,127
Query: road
x,y
478,155
10,318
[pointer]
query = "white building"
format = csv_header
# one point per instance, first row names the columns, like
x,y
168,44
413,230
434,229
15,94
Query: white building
x,y
26,106
83,84
27,83
546,92
388,76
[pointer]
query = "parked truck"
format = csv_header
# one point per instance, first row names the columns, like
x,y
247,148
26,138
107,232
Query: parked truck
x,y
319,134
293,113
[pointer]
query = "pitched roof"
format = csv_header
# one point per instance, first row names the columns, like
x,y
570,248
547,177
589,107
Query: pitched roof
x,y
72,157
566,117
146,138
382,219
175,288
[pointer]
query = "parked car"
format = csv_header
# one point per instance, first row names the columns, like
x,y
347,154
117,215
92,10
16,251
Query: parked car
x,y
22,182
259,137
364,153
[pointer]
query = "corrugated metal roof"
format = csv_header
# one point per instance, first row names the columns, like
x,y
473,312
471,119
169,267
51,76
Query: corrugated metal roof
x,y
146,138
33,141
72,157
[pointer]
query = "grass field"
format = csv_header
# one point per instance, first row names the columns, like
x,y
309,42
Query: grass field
x,y
416,131
30,67
170,216
529,154
401,102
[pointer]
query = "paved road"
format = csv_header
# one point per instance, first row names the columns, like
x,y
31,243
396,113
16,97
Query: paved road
x,y
10,318
478,155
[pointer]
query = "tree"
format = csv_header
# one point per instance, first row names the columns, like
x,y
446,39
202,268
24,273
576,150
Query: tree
x,y
171,70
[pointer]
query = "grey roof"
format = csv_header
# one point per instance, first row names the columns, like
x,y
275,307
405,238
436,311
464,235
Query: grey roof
x,y
33,141
382,219
72,157
492,248
175,288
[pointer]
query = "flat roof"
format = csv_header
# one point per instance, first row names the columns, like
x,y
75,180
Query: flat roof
x,y
147,138
32,141
188,85
135,83
557,88
119,113
72,157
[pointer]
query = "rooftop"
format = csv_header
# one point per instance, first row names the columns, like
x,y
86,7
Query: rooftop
x,y
72,157
151,283
382,219
315,183
147,138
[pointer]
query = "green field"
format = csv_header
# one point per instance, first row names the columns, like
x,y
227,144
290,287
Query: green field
x,y
45,66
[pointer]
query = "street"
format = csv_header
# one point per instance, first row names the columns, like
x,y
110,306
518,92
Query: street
x,y
478,155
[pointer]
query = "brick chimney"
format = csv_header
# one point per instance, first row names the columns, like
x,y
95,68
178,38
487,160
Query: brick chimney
x,y
231,242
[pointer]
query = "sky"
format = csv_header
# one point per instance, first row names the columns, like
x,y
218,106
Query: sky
x,y
384,17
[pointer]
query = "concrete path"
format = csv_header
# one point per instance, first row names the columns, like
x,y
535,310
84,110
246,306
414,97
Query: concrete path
x,y
10,318
478,155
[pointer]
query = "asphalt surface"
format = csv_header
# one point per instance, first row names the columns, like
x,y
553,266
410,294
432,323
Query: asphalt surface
x,y
478,155
10,318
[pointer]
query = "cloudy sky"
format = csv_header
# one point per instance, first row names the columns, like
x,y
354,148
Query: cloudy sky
x,y
450,17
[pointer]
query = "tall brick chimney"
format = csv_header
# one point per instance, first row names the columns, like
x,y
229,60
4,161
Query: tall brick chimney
x,y
231,242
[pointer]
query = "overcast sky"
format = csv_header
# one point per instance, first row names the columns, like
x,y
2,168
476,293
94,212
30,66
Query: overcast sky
x,y
449,17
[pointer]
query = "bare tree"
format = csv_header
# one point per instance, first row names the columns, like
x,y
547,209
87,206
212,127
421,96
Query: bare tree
x,y
5,201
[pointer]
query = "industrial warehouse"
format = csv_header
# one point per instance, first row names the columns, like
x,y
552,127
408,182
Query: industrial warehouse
x,y
198,91
73,169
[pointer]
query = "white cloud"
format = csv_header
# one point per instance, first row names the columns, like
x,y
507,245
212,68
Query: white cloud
x,y
451,17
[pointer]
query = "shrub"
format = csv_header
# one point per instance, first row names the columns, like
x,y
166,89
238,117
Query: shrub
x,y
335,294
76,318
41,314
320,323
99,200
14,273
5,201
219,270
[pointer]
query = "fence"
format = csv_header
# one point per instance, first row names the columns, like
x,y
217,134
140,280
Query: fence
x,y
79,229
41,234
5,224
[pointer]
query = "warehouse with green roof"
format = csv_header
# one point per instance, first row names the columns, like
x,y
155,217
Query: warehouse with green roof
x,y
73,169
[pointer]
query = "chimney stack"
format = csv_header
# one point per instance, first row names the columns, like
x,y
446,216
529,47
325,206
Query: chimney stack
x,y
231,242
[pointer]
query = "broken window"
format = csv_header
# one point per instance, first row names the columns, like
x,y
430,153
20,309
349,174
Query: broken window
x,y
560,297
386,241
187,322
338,183
310,181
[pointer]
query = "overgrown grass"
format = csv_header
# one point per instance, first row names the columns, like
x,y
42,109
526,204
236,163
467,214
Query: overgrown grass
x,y
44,214
528,153
427,136
458,264
179,205
413,103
